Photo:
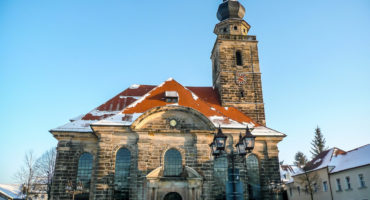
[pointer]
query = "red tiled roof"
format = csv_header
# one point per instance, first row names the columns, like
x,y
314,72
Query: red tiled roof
x,y
140,98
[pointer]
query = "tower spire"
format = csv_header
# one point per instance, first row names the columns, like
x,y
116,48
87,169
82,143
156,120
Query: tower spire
x,y
230,9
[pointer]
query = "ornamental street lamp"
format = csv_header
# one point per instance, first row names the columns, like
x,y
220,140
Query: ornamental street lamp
x,y
219,143
244,146
70,189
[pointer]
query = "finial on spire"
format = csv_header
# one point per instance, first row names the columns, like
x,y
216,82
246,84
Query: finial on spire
x,y
230,9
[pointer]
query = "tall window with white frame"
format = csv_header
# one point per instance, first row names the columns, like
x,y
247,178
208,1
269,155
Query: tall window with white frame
x,y
339,186
253,173
122,174
172,163
361,181
348,183
325,186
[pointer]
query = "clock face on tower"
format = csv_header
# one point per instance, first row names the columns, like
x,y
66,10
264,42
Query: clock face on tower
x,y
240,78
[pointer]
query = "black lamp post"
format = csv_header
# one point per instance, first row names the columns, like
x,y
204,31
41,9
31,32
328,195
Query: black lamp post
x,y
244,146
275,188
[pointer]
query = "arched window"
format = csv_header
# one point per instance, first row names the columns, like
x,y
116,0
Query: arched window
x,y
239,60
253,173
122,171
220,176
172,163
84,169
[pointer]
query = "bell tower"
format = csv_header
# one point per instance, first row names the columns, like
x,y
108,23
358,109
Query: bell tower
x,y
236,71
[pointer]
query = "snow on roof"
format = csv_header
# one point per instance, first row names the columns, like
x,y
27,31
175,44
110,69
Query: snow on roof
x,y
287,171
125,107
12,191
351,159
323,159
76,126
340,160
264,131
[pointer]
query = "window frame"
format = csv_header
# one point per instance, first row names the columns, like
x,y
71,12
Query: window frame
x,y
339,185
84,169
361,180
121,177
348,183
239,58
171,165
325,186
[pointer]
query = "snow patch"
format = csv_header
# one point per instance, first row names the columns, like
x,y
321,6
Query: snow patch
x,y
119,119
76,126
139,100
134,86
135,97
101,113
317,161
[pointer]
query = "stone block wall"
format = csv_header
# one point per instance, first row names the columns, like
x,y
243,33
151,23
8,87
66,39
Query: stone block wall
x,y
247,95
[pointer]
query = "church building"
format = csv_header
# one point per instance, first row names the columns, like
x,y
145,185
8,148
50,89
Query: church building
x,y
175,142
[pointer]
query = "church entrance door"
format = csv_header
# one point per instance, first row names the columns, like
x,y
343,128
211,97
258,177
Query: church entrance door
x,y
172,196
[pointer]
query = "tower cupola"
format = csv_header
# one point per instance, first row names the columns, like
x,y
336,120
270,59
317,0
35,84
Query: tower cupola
x,y
230,9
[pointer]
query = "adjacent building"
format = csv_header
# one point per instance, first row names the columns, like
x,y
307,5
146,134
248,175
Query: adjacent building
x,y
153,141
334,174
14,192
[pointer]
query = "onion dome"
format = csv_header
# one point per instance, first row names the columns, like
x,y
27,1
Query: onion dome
x,y
230,9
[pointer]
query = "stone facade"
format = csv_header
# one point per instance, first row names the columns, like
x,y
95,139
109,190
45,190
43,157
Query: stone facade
x,y
147,145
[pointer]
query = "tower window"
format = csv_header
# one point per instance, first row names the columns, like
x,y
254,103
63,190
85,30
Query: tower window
x,y
239,60
235,28
242,94
225,30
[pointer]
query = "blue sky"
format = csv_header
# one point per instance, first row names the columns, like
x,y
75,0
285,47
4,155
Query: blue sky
x,y
59,59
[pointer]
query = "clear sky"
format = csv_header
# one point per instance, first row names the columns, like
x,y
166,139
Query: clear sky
x,y
62,58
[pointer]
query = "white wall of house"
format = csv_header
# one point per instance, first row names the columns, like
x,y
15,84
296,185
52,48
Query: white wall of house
x,y
296,190
355,190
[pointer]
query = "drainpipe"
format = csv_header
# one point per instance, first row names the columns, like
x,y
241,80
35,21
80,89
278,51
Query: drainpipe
x,y
331,192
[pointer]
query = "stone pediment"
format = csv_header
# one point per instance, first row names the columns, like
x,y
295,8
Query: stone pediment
x,y
188,173
172,119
